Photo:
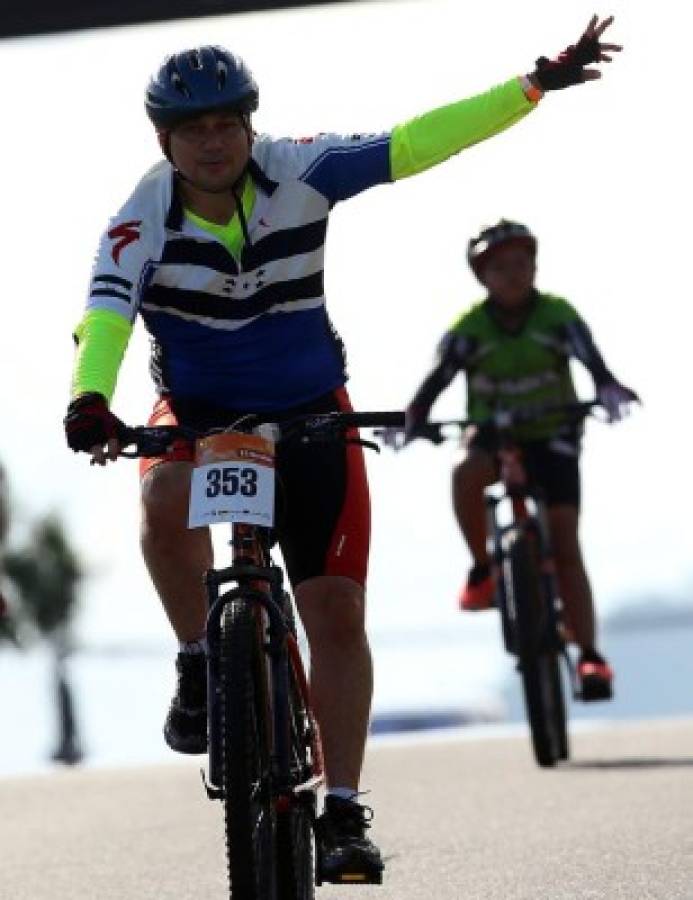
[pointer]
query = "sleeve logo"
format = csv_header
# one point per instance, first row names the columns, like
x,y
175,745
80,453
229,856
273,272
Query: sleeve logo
x,y
123,234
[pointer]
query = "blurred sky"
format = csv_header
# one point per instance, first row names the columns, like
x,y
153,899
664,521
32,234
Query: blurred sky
x,y
601,173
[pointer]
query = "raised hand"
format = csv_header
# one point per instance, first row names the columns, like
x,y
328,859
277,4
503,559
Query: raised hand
x,y
569,68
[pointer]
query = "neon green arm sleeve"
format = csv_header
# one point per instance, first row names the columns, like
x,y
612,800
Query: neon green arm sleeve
x,y
435,136
102,337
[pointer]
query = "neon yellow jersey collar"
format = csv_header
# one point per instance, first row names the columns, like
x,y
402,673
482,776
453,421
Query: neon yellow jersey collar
x,y
231,234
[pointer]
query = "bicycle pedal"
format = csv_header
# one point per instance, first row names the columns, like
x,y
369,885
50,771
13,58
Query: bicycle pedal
x,y
372,877
352,872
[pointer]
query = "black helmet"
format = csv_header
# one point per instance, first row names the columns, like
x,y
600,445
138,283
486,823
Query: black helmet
x,y
504,232
197,81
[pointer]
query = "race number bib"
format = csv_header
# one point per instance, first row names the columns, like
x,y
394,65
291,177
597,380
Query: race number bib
x,y
233,480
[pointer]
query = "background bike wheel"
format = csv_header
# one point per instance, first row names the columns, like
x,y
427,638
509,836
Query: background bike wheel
x,y
560,713
248,804
295,873
538,660
551,745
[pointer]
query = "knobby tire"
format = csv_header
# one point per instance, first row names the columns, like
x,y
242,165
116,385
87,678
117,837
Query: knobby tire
x,y
246,726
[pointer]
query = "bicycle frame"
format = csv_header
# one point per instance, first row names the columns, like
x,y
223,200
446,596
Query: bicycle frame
x,y
526,588
517,490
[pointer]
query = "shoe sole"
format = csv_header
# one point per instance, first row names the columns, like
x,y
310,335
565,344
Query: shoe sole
x,y
352,878
351,875
595,689
189,746
477,607
353,870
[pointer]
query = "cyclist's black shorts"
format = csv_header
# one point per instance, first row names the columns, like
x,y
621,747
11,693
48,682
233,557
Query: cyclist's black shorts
x,y
323,503
553,464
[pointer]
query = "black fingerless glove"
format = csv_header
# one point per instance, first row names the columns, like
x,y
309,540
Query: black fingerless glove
x,y
415,421
89,422
567,70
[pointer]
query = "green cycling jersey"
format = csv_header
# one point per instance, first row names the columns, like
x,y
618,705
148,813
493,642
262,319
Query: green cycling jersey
x,y
510,369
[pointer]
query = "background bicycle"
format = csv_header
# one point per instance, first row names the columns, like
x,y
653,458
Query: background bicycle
x,y
526,592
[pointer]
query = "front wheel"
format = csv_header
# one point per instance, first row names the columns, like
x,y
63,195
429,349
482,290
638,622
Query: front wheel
x,y
295,850
250,816
537,650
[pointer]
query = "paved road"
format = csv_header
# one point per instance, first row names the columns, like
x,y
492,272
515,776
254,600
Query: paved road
x,y
456,819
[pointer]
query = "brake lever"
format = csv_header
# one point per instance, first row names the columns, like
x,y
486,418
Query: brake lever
x,y
157,442
333,434
369,445
131,439
147,449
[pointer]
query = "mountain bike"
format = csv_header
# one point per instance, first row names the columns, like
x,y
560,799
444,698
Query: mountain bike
x,y
526,589
265,757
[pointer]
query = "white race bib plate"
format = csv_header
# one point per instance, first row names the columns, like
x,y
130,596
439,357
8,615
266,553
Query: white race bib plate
x,y
233,480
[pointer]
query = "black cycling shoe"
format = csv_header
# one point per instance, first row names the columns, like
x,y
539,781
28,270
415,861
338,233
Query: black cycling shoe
x,y
185,728
344,854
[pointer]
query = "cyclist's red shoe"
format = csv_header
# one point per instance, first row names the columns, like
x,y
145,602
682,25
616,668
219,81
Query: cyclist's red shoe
x,y
185,729
596,677
479,591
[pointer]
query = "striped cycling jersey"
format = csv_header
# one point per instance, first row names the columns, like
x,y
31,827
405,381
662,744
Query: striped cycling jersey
x,y
247,328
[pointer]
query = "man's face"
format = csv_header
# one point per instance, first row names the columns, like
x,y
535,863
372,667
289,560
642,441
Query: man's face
x,y
509,274
210,151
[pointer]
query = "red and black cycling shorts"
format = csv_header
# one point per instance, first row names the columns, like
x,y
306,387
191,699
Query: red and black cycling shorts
x,y
323,502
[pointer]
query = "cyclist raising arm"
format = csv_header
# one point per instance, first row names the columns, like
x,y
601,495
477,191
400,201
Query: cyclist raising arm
x,y
220,250
514,348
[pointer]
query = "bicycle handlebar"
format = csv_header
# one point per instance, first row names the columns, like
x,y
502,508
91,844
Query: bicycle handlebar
x,y
500,422
323,427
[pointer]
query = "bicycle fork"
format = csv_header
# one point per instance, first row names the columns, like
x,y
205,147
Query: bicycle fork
x,y
273,632
280,646
536,528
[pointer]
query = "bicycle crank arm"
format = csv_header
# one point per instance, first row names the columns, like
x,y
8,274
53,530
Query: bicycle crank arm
x,y
573,677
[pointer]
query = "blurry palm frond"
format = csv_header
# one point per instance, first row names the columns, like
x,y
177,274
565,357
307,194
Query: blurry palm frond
x,y
8,624
45,574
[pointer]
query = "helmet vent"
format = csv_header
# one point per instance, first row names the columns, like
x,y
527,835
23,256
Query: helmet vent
x,y
222,72
196,60
179,84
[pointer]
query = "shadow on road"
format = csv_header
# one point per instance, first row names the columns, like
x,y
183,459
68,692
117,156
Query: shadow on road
x,y
636,762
